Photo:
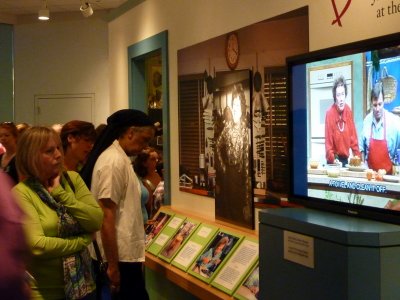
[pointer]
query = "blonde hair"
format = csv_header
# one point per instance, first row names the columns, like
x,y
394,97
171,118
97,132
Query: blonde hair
x,y
29,147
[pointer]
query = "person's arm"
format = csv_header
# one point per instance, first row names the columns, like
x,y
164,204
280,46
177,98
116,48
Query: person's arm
x,y
80,204
329,153
109,240
40,244
353,137
149,203
363,143
397,133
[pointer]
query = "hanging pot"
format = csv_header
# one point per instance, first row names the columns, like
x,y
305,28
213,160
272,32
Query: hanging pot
x,y
389,84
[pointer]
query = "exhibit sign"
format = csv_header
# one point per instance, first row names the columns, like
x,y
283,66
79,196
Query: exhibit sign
x,y
181,236
155,226
237,267
214,255
298,248
165,234
193,247
250,288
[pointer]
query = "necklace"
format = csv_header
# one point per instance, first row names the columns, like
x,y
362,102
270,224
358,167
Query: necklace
x,y
341,128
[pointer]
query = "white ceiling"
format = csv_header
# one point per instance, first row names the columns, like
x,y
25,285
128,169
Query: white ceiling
x,y
28,7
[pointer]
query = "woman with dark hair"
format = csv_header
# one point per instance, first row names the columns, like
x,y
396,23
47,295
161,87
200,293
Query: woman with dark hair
x,y
145,166
8,138
77,139
340,131
61,217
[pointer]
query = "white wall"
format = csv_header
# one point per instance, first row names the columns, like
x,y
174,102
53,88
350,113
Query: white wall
x,y
194,21
66,55
70,54
264,44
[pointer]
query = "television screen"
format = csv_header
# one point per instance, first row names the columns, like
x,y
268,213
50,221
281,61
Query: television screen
x,y
344,124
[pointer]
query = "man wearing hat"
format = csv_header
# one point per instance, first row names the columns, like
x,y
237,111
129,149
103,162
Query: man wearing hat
x,y
109,174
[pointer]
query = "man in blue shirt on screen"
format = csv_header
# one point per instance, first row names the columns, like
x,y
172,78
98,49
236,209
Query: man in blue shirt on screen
x,y
380,136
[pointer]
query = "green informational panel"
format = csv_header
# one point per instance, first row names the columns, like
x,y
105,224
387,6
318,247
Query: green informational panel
x,y
181,236
235,269
214,255
155,226
166,234
250,287
194,246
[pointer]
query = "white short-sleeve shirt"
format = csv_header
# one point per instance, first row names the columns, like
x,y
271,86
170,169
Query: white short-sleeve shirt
x,y
113,177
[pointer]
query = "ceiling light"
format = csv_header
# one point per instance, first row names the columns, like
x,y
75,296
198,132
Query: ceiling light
x,y
86,9
44,12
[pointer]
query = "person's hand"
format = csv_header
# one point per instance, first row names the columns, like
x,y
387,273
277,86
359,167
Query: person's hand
x,y
337,162
388,205
53,183
253,289
393,205
114,277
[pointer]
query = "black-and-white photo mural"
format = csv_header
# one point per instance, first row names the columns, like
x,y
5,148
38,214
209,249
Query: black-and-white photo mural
x,y
233,115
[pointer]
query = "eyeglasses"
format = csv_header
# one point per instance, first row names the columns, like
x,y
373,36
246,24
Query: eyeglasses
x,y
10,125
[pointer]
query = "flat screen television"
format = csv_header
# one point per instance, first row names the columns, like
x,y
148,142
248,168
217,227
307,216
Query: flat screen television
x,y
327,169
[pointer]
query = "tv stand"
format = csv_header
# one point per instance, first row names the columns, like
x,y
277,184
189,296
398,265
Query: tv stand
x,y
352,258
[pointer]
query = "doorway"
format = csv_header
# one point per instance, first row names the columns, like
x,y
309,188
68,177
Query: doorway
x,y
148,90
47,108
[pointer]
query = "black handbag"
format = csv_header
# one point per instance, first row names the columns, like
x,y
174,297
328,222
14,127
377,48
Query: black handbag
x,y
103,290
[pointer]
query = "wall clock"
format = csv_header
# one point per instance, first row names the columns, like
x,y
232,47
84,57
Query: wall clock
x,y
232,50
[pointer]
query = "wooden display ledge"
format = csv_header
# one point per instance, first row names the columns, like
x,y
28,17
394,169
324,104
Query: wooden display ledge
x,y
191,284
200,192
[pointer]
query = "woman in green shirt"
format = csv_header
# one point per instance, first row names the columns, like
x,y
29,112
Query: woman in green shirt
x,y
60,217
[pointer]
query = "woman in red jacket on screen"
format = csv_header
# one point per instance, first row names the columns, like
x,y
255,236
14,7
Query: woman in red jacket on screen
x,y
340,131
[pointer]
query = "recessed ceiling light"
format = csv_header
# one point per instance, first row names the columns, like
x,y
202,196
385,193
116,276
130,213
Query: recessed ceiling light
x,y
44,13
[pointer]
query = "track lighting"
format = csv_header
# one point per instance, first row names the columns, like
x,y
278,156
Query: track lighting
x,y
86,9
44,12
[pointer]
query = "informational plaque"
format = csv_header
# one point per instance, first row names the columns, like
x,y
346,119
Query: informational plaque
x,y
194,245
212,258
250,287
298,248
166,234
237,266
155,226
180,237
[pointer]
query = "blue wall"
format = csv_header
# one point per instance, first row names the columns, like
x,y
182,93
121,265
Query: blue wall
x,y
6,73
137,91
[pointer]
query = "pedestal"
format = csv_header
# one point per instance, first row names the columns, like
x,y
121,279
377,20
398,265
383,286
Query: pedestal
x,y
352,258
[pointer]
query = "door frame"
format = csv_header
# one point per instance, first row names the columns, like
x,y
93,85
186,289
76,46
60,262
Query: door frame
x,y
137,54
